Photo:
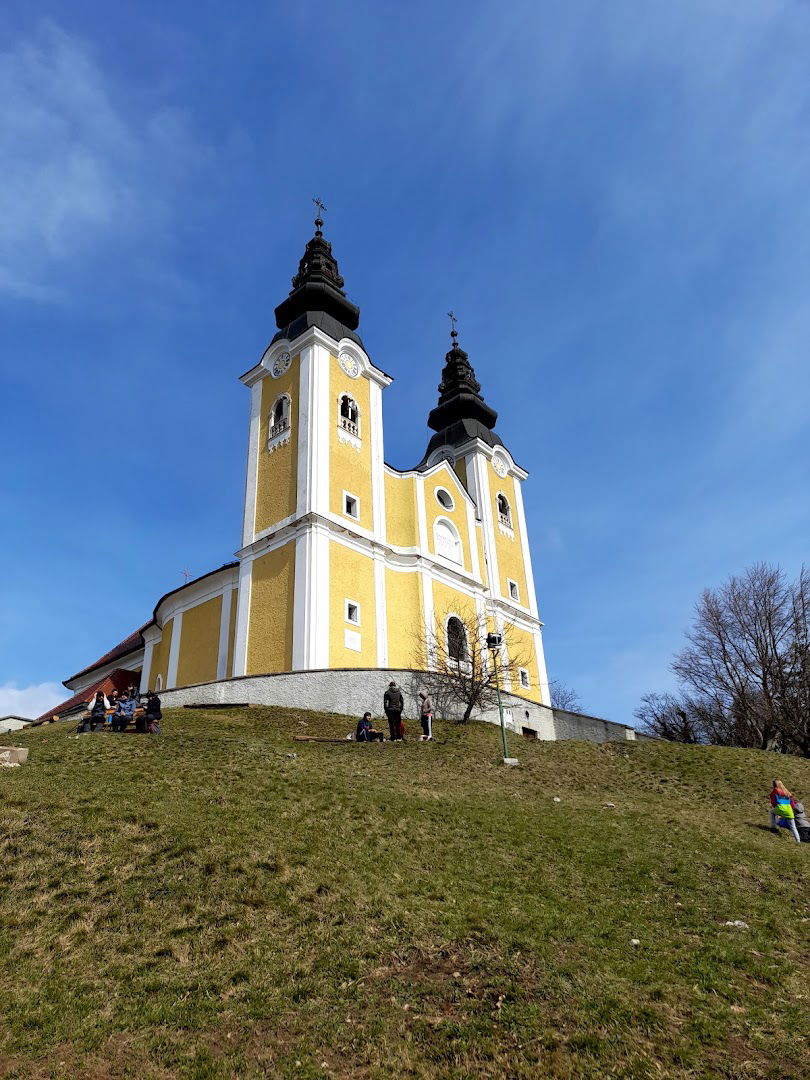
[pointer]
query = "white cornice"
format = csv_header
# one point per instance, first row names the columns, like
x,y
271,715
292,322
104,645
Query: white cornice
x,y
478,446
196,593
314,336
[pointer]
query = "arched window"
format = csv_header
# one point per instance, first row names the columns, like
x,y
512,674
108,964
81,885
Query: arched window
x,y
456,640
504,511
447,542
158,684
279,416
349,415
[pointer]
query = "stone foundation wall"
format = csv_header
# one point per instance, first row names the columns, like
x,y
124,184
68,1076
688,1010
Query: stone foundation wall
x,y
353,691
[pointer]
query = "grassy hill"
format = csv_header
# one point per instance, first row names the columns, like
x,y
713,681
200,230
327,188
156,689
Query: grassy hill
x,y
204,905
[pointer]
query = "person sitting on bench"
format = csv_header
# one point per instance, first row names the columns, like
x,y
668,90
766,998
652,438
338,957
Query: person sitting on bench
x,y
366,731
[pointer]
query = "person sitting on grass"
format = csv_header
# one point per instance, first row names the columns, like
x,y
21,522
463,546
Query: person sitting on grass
x,y
366,732
802,822
782,809
152,714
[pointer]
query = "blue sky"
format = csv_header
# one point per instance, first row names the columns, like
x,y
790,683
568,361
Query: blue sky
x,y
612,197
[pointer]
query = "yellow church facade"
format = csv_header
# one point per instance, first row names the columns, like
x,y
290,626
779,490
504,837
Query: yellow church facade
x,y
346,562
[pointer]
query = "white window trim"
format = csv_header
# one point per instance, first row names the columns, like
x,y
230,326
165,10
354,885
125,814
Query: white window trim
x,y
444,491
158,684
506,522
350,495
344,427
463,664
513,595
459,545
277,434
523,679
346,605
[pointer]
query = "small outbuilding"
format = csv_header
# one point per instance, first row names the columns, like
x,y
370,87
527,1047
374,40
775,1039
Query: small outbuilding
x,y
13,723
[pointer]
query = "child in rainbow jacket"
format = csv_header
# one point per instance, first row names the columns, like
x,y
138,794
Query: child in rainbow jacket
x,y
783,809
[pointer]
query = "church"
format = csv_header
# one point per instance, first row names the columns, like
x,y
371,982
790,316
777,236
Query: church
x,y
347,564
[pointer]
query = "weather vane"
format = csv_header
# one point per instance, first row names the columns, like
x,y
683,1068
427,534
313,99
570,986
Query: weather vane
x,y
186,574
453,332
321,211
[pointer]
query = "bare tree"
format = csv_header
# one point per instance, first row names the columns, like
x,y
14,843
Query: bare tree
x,y
665,716
564,696
745,672
461,672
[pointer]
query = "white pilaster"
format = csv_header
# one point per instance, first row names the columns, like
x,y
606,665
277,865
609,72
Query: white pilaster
x,y
524,543
478,472
545,692
319,600
475,561
174,651
150,637
377,460
224,634
321,431
251,476
242,617
306,405
302,603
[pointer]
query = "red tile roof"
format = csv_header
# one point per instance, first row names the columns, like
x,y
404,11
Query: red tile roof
x,y
118,680
123,648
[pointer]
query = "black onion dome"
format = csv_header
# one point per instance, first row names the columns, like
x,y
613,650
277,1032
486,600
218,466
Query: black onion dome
x,y
461,414
317,297
460,394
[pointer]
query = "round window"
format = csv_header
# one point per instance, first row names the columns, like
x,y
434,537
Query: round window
x,y
444,498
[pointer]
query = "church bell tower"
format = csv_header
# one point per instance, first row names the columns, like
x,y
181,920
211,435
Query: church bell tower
x,y
314,475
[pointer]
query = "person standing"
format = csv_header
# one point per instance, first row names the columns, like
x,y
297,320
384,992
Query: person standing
x,y
426,716
783,809
394,703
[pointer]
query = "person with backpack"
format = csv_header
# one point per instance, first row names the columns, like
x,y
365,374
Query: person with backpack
x,y
426,716
394,703
783,809
152,714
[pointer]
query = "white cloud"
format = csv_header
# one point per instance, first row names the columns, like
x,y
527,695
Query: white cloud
x,y
79,173
30,701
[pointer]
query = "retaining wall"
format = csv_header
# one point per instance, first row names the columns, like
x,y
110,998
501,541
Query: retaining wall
x,y
353,691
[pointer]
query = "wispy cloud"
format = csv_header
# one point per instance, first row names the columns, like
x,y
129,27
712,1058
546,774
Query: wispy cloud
x,y
80,173
30,701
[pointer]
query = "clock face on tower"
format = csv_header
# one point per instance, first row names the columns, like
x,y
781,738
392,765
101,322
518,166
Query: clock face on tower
x,y
280,364
349,365
499,465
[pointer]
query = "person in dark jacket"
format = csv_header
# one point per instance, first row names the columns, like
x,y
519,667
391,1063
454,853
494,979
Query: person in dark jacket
x,y
366,731
394,703
152,714
97,707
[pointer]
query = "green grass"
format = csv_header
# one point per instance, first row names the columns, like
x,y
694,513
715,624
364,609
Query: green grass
x,y
203,905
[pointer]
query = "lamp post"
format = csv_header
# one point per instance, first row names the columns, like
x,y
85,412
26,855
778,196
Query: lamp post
x,y
494,642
